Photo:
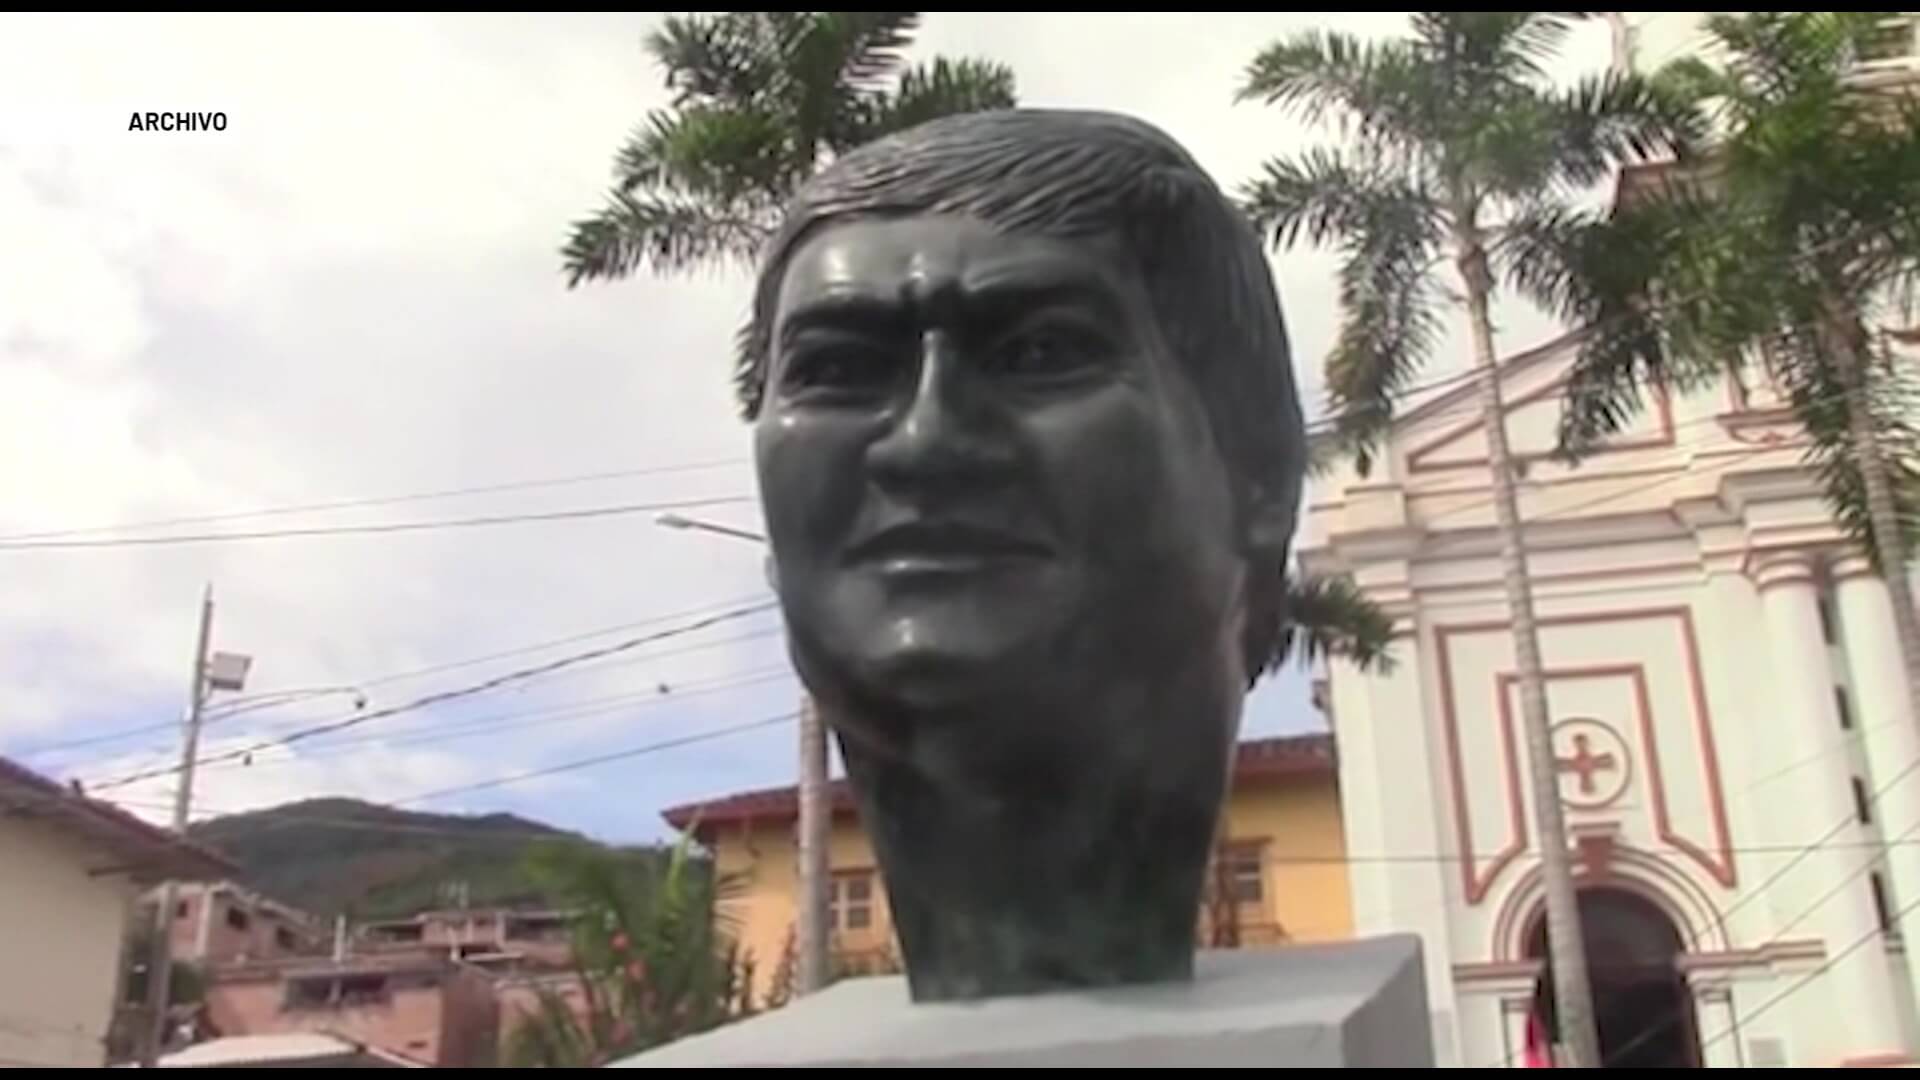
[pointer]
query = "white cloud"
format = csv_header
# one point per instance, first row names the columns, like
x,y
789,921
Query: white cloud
x,y
354,290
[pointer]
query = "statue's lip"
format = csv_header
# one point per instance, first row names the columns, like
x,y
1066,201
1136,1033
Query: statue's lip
x,y
939,541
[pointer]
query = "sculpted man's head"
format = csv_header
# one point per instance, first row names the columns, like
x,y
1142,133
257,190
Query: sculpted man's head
x,y
1030,455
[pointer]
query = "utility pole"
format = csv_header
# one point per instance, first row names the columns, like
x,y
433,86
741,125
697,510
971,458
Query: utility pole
x,y
160,967
814,871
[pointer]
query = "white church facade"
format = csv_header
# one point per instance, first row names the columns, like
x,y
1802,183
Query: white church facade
x,y
1737,764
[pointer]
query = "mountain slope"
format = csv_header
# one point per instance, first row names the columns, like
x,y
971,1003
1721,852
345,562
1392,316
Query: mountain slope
x,y
342,855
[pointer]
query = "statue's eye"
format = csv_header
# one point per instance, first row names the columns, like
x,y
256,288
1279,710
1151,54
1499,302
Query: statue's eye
x,y
840,367
1044,355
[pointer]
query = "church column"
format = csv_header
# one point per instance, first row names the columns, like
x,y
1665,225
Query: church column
x,y
1859,985
1733,632
1390,804
1886,724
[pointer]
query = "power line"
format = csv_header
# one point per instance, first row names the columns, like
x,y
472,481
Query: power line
x,y
554,643
1680,472
595,708
446,695
576,514
598,759
401,676
91,740
359,503
560,713
570,766
1806,980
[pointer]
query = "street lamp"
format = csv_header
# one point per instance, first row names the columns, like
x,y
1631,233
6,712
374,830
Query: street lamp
x,y
815,870
681,521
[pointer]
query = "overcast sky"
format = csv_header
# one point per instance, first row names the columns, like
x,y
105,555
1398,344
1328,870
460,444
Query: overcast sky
x,y
353,292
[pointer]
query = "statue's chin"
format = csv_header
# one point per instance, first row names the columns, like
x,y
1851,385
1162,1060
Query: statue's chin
x,y
936,680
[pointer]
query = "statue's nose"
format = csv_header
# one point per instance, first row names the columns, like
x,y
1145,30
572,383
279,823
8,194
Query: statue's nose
x,y
939,432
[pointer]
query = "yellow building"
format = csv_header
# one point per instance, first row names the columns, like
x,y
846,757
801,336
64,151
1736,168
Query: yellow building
x,y
1280,874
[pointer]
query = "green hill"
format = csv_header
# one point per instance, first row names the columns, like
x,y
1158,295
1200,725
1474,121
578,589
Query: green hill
x,y
333,855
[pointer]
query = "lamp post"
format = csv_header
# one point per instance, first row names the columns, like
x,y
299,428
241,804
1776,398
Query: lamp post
x,y
810,930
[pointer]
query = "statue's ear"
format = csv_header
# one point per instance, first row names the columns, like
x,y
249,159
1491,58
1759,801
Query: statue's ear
x,y
1269,522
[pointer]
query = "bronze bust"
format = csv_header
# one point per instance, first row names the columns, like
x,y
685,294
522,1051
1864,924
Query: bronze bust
x,y
1030,455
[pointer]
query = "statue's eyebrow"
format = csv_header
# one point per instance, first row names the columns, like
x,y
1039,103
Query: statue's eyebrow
x,y
999,295
842,310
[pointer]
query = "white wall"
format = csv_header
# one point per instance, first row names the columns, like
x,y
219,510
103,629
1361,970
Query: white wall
x,y
1662,36
60,934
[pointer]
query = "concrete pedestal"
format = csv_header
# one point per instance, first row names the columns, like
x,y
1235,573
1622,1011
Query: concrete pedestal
x,y
1360,1004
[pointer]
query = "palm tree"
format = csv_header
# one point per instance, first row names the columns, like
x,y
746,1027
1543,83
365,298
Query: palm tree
x,y
1787,249
1456,143
761,100
653,954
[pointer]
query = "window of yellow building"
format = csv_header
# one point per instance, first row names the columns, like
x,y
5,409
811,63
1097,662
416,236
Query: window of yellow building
x,y
851,906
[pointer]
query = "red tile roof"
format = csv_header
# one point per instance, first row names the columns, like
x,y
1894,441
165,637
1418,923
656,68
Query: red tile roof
x,y
146,852
1286,755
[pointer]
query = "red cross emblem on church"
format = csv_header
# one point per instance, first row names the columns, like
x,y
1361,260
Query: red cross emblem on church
x,y
1590,760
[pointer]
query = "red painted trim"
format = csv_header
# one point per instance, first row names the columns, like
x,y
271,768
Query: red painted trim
x,y
1810,951
1462,821
1709,749
1516,803
1722,868
1663,407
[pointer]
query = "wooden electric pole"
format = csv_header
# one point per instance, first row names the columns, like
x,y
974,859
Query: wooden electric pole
x,y
160,966
815,871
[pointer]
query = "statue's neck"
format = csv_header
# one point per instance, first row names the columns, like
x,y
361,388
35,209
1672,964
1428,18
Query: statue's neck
x,y
1077,861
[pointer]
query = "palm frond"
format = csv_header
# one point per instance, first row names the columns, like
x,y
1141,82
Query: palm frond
x,y
654,960
1331,617
665,235
1619,277
1494,47
761,100
841,61
871,45
1329,194
720,154
1325,452
944,87
1821,406
1390,325
1372,88
728,58
1691,78
1606,121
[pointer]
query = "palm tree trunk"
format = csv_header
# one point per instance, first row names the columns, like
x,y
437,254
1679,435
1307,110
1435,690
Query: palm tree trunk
x,y
1566,947
1882,517
815,868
